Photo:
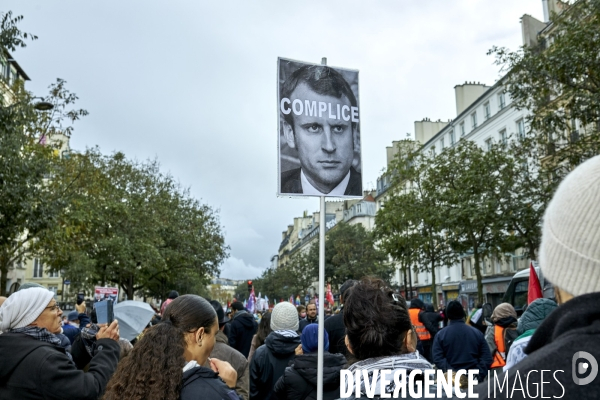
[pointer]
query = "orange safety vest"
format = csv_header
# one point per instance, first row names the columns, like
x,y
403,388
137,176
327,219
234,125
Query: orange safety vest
x,y
422,332
500,354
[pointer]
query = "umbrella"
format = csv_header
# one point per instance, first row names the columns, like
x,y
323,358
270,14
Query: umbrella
x,y
133,317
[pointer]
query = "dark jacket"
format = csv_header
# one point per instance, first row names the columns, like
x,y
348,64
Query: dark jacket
x,y
32,369
269,363
203,383
337,332
573,327
304,322
241,329
536,312
291,182
431,320
71,332
460,346
299,380
223,351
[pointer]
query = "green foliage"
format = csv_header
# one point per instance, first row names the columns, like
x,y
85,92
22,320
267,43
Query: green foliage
x,y
410,226
290,280
558,82
28,205
129,225
11,36
350,253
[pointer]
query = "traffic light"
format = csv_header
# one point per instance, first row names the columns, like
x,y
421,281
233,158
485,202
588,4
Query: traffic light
x,y
249,286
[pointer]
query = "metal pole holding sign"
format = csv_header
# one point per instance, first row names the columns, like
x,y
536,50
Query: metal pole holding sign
x,y
321,315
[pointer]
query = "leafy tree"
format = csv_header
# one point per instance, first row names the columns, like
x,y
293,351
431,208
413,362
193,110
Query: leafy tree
x,y
470,188
292,279
129,225
350,253
558,82
411,225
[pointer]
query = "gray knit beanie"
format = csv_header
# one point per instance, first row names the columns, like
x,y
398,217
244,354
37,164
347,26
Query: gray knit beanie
x,y
570,248
284,317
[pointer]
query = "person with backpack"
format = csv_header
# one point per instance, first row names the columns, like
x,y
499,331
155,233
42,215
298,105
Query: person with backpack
x,y
502,333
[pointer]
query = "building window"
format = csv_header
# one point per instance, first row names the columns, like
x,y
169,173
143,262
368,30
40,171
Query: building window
x,y
503,136
498,266
358,208
462,129
474,120
487,111
442,144
53,289
488,143
521,128
501,100
452,138
38,268
53,274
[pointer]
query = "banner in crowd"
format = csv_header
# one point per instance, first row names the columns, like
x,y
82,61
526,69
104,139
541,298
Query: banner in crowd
x,y
106,293
319,130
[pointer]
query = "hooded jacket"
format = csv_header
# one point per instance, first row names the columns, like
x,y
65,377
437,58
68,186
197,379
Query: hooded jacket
x,y
224,352
528,323
203,383
299,380
573,327
32,369
535,314
269,363
241,329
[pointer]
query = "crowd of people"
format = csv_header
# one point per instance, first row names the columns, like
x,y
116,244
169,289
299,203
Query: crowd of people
x,y
194,350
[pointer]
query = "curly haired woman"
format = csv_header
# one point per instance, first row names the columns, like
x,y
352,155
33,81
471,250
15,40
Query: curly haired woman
x,y
166,362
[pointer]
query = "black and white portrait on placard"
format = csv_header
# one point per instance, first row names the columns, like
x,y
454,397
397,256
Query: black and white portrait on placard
x,y
319,130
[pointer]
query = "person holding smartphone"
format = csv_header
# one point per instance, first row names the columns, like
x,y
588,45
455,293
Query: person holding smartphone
x,y
34,366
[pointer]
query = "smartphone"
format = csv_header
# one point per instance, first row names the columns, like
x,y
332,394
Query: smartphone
x,y
104,311
80,298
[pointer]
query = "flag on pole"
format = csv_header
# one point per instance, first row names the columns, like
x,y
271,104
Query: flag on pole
x,y
329,295
291,300
535,289
297,300
251,302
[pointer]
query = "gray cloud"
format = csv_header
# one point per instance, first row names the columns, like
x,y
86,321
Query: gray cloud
x,y
194,84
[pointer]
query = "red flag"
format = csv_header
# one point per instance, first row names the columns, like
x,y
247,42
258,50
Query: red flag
x,y
329,295
535,289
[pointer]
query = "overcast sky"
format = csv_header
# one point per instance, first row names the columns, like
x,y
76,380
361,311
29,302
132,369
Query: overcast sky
x,y
193,84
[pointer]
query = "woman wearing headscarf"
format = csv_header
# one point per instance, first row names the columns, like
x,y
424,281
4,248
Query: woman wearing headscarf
x,y
166,363
501,333
299,381
34,366
380,336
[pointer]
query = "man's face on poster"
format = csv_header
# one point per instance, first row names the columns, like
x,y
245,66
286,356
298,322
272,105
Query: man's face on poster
x,y
325,146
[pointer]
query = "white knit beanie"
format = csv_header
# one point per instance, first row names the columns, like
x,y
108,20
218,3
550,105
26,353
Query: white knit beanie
x,y
284,317
23,307
570,248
